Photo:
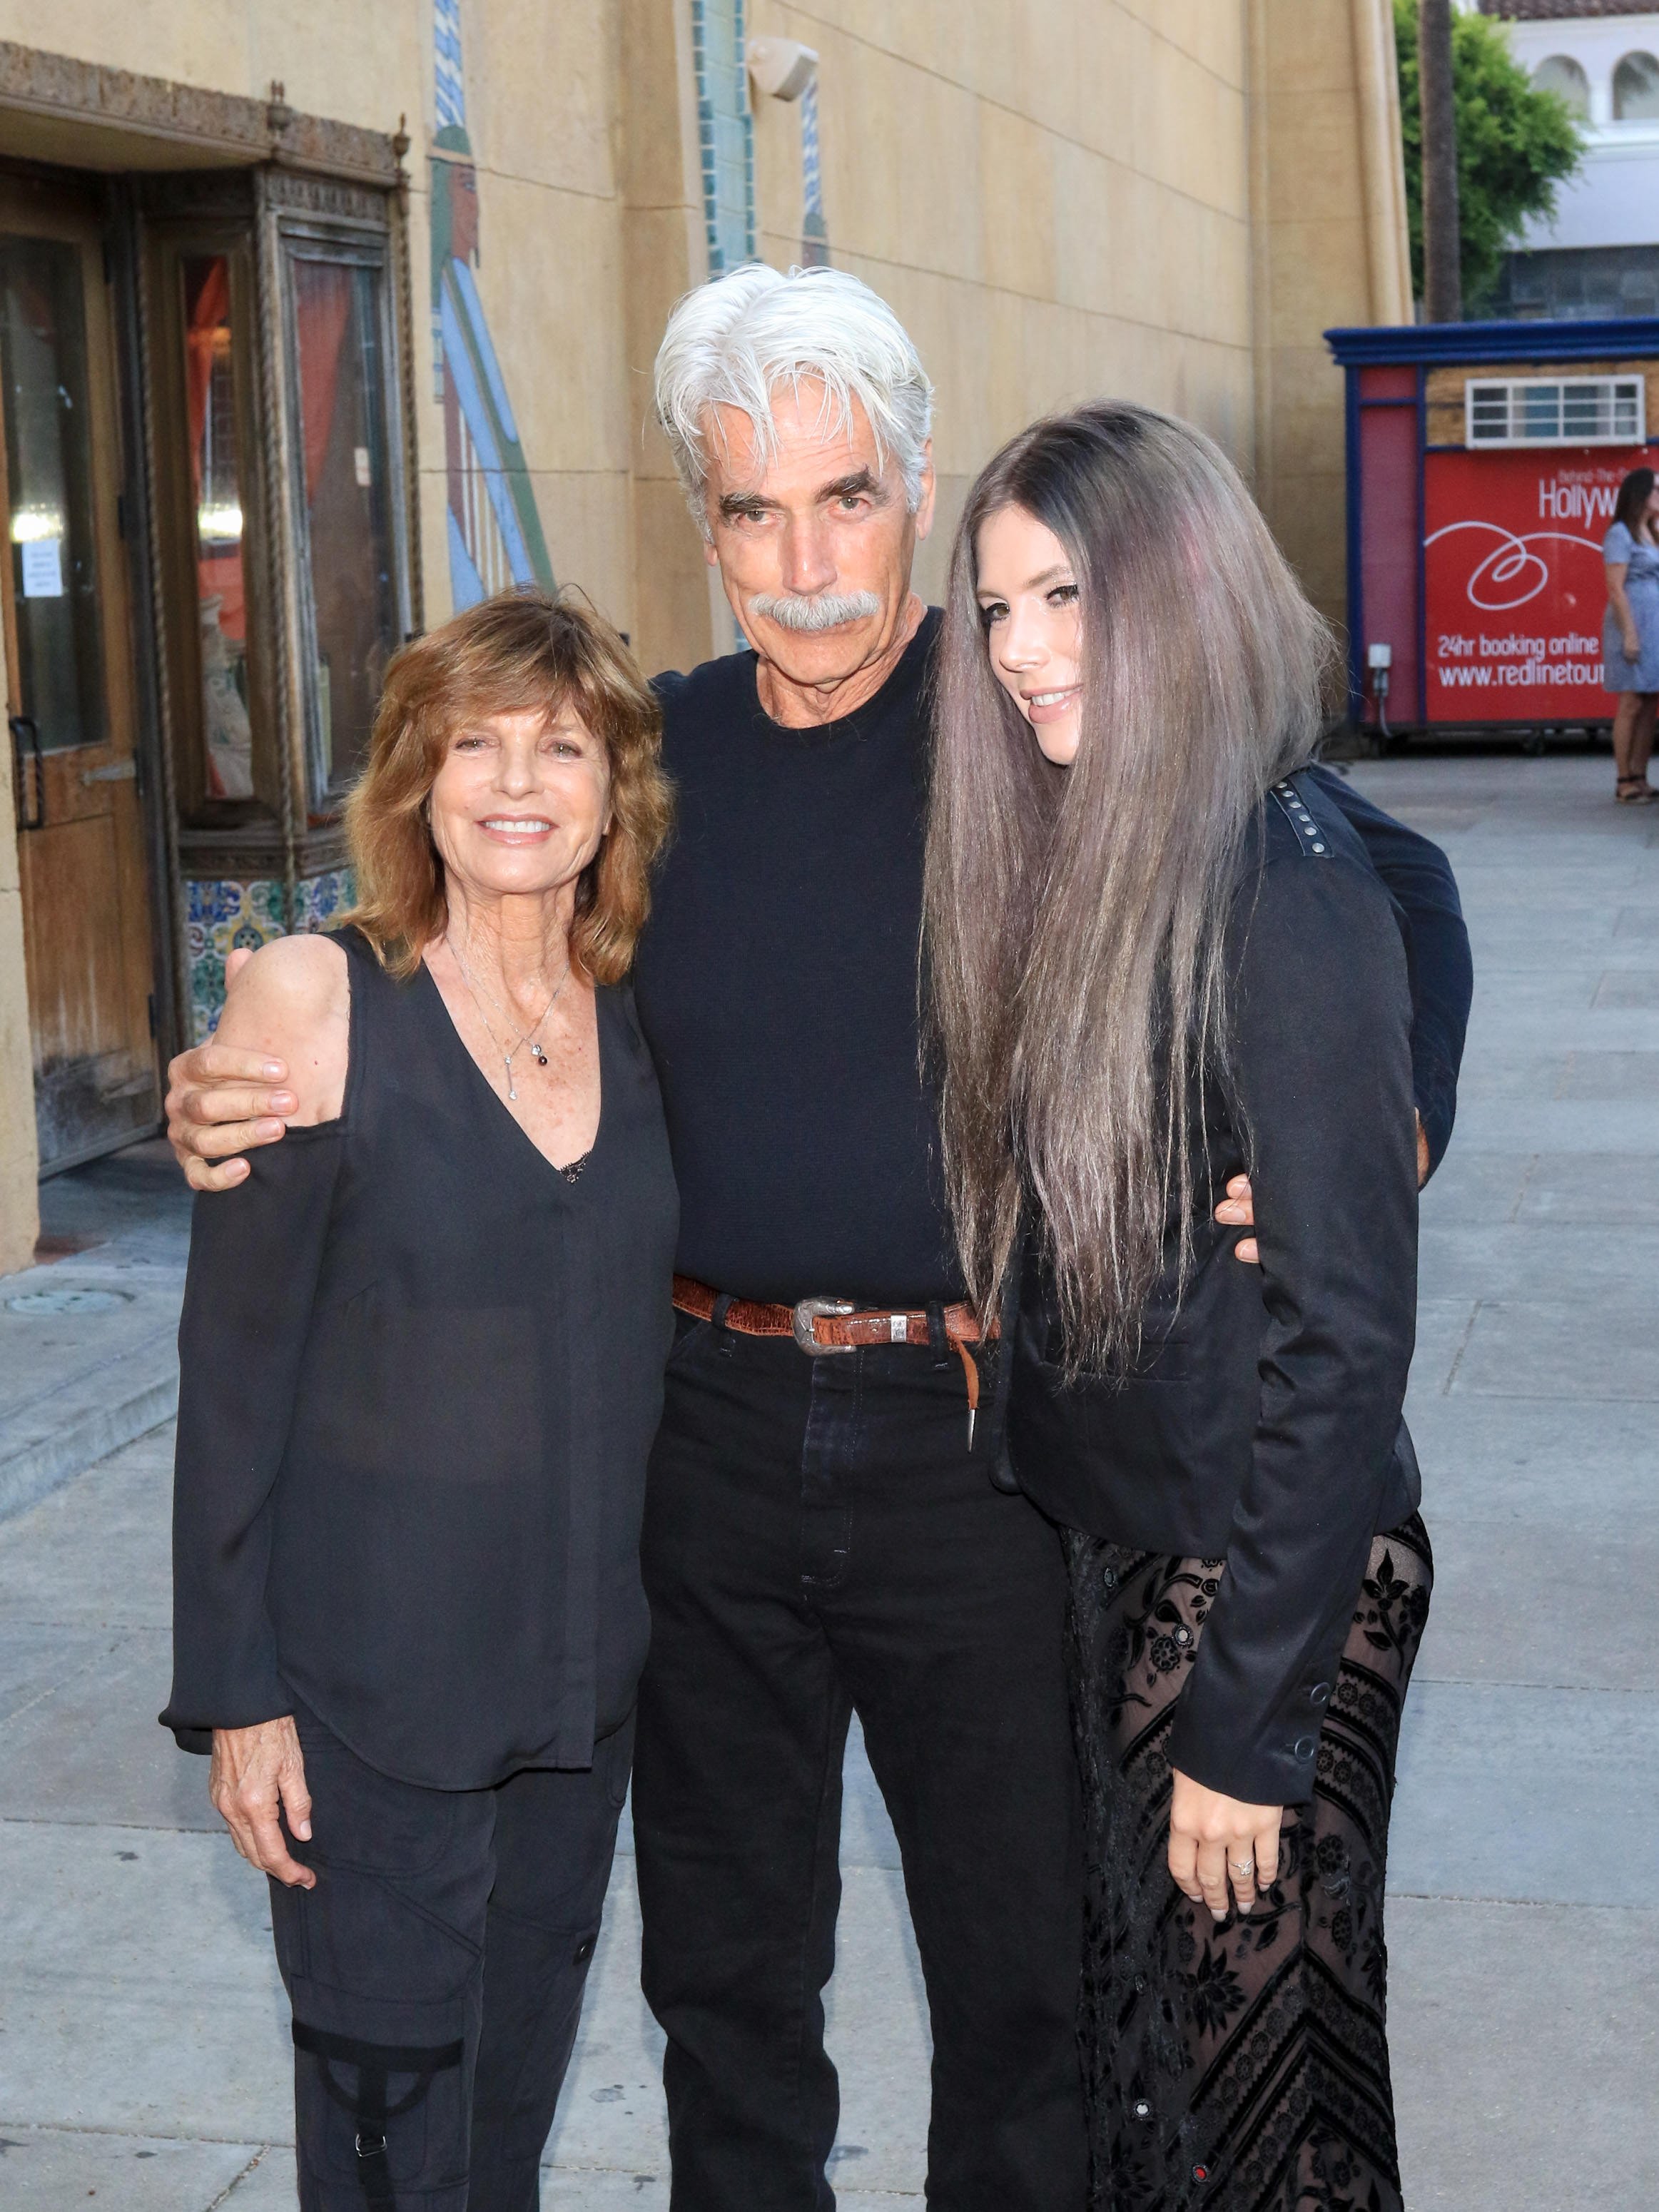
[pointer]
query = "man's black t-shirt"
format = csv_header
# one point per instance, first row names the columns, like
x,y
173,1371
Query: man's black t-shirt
x,y
777,988
776,985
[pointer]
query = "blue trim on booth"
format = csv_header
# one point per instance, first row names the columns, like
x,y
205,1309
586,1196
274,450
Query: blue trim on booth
x,y
1382,344
1356,597
1422,548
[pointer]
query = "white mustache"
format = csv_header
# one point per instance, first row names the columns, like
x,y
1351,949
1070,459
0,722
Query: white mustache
x,y
821,610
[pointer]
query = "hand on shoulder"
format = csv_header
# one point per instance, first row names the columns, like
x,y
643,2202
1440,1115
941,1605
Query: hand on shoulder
x,y
292,1001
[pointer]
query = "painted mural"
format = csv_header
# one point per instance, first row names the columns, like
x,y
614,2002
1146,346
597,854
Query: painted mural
x,y
495,533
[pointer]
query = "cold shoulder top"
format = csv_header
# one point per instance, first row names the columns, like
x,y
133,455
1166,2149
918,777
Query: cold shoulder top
x,y
421,1371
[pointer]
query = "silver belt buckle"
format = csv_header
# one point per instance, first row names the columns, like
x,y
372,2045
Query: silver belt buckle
x,y
806,1312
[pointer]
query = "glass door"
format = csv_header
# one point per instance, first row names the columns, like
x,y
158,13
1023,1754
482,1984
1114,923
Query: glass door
x,y
354,616
226,768
79,837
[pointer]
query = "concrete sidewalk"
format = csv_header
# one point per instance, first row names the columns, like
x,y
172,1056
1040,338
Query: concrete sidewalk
x,y
88,1357
1524,1936
143,2050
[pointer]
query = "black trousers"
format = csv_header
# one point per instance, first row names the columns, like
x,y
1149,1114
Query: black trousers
x,y
436,1974
819,1541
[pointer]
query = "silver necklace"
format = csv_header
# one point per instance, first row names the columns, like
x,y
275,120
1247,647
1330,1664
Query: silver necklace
x,y
530,1037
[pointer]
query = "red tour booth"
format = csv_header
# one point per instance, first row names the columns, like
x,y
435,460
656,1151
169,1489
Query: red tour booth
x,y
1483,460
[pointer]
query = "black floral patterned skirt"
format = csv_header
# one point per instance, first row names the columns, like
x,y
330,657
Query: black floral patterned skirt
x,y
1240,2066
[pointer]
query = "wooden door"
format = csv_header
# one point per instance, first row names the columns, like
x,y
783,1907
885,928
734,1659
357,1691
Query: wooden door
x,y
80,841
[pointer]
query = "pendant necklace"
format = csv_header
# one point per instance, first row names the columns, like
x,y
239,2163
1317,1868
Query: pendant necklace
x,y
530,1037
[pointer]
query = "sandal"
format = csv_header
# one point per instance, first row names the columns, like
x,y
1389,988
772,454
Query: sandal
x,y
1634,791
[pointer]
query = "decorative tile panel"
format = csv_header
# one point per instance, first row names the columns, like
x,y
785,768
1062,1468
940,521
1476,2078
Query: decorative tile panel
x,y
220,917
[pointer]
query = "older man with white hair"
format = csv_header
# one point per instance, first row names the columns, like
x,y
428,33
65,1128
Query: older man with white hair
x,y
823,1534
827,1531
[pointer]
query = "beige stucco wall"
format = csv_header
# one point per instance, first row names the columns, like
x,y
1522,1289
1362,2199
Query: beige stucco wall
x,y
542,91
1329,248
357,61
354,61
1054,197
1167,200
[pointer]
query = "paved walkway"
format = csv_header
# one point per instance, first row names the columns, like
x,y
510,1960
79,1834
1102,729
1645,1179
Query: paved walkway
x,y
88,1358
143,2044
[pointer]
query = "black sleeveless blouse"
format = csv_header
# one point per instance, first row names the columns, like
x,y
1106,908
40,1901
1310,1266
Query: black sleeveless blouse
x,y
421,1371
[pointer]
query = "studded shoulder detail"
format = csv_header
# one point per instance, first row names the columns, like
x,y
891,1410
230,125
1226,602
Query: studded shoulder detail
x,y
1309,834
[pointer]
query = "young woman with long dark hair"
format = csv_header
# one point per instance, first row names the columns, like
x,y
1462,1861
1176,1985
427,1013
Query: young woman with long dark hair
x,y
1158,957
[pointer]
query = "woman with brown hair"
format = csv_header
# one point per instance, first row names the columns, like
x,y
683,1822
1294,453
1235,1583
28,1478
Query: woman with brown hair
x,y
1630,632
1159,957
422,1361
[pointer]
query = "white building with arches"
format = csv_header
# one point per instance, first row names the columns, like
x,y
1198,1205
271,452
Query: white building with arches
x,y
1600,254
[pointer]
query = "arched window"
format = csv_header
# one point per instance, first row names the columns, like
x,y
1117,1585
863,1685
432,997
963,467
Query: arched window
x,y
1636,89
1560,73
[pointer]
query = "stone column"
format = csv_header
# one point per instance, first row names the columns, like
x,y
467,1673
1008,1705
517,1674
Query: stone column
x,y
1388,237
665,254
1328,247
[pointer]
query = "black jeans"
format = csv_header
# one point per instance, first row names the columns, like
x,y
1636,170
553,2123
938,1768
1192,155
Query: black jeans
x,y
819,1541
436,1974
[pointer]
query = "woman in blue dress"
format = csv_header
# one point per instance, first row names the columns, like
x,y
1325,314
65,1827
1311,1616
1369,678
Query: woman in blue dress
x,y
1630,634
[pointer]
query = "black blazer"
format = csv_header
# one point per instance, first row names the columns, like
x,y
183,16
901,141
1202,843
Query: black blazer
x,y
1261,1424
1420,876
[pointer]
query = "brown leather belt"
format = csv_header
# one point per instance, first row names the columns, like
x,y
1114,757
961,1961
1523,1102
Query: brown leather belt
x,y
822,1326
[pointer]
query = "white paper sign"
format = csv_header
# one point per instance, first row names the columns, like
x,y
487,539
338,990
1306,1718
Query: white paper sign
x,y
43,568
359,463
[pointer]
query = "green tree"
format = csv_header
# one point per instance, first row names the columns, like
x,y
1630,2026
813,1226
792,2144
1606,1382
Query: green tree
x,y
1514,145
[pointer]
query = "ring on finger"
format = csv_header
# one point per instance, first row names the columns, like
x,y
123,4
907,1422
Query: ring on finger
x,y
1242,1866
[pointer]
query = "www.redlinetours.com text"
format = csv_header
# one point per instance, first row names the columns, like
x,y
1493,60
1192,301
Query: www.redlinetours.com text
x,y
1483,663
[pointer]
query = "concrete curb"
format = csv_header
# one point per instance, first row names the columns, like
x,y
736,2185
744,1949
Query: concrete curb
x,y
149,1398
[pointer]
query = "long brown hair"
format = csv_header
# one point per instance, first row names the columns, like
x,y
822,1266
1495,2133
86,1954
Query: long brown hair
x,y
1074,916
522,649
1631,507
